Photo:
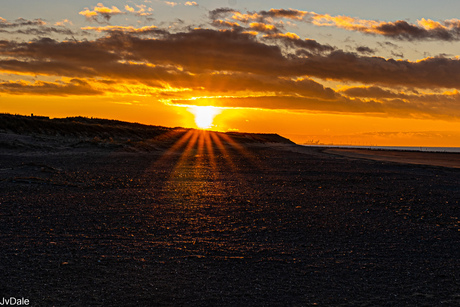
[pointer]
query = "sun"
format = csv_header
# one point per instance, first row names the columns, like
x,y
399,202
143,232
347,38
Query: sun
x,y
204,116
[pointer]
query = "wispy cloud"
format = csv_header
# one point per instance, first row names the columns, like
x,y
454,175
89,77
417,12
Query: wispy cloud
x,y
63,23
21,22
36,27
171,3
73,87
303,46
142,10
100,10
262,27
126,29
424,29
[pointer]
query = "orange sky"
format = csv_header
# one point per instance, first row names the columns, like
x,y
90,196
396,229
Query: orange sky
x,y
259,67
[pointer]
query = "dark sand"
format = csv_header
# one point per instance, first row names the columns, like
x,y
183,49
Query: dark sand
x,y
225,224
411,157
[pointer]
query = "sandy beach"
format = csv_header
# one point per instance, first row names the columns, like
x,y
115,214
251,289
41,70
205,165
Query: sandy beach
x,y
410,157
206,220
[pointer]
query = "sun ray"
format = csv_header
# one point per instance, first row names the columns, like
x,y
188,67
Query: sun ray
x,y
210,150
170,153
241,150
193,164
223,150
188,149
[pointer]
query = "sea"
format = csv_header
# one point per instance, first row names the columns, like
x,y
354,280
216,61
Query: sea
x,y
400,148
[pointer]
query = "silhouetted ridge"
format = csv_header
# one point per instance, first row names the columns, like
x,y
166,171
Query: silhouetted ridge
x,y
105,129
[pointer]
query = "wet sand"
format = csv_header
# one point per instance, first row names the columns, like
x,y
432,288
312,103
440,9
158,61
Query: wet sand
x,y
411,157
213,222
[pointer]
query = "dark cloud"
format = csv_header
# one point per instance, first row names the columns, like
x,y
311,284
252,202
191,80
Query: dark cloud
x,y
257,16
404,31
35,27
365,50
283,13
410,102
397,55
21,22
375,92
293,41
204,49
435,72
53,51
201,50
74,87
227,24
45,31
263,27
390,45
401,29
372,92
447,30
231,83
220,13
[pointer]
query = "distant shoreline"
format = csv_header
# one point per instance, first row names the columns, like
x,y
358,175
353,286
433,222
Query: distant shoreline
x,y
443,159
390,148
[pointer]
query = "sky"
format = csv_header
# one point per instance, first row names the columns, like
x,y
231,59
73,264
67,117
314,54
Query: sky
x,y
342,72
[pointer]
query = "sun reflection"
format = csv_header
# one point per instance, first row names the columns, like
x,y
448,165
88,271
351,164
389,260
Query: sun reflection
x,y
204,116
199,175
